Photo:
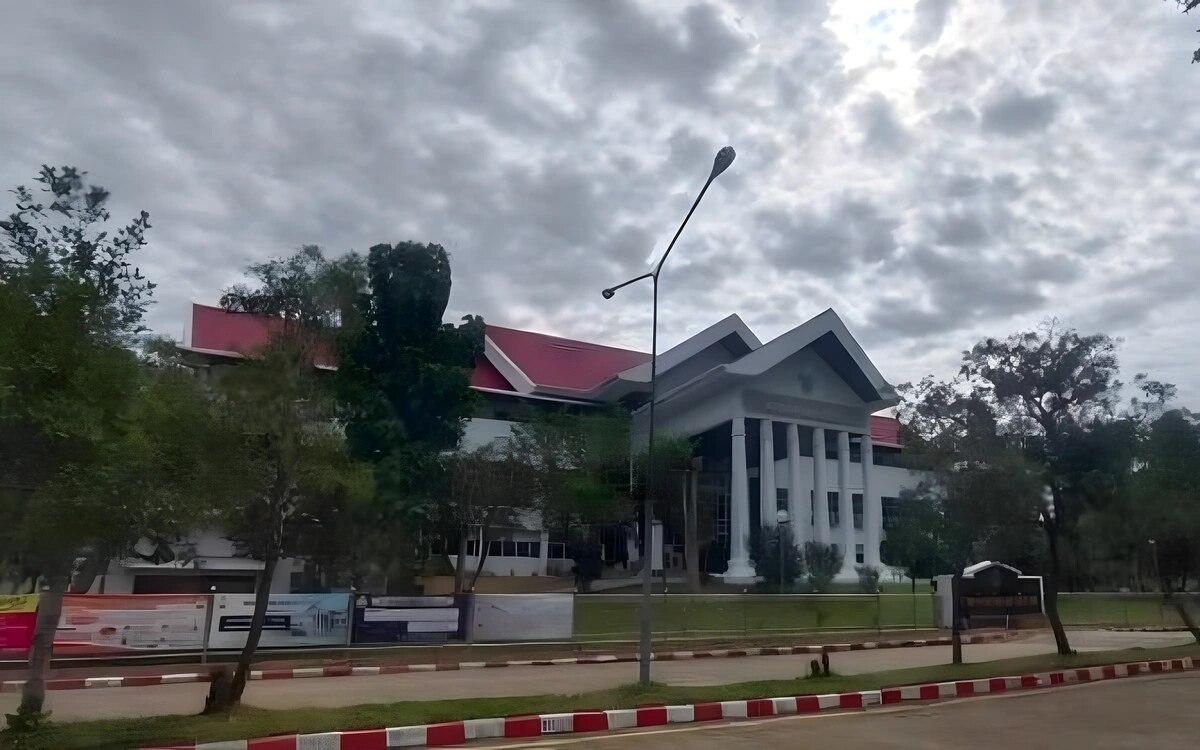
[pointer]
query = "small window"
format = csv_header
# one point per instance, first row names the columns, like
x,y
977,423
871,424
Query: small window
x,y
510,549
858,554
857,500
891,511
473,547
535,549
834,513
522,549
495,547
781,498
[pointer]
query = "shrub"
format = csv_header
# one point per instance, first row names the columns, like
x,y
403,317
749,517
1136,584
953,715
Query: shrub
x,y
823,562
868,578
764,551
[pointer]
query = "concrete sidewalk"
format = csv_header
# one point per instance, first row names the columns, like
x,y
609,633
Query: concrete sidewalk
x,y
76,705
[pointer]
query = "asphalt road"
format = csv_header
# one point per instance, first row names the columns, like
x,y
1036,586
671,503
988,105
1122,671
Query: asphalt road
x,y
1132,713
76,705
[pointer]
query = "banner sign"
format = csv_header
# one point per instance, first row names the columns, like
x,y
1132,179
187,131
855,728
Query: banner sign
x,y
523,617
115,623
18,616
292,620
391,619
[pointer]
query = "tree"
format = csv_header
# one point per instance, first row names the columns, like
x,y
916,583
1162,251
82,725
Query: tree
x,y
912,543
1167,493
70,303
403,382
981,495
822,562
1046,384
488,487
776,557
279,403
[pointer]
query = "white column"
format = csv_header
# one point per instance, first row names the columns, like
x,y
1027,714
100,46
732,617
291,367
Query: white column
x,y
845,503
820,489
796,504
766,473
543,552
872,506
739,569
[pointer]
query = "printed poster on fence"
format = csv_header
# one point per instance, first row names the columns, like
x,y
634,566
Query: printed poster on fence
x,y
18,616
292,620
100,624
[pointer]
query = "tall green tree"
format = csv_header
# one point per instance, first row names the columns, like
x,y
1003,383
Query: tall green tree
x,y
913,544
280,404
1047,384
403,381
981,495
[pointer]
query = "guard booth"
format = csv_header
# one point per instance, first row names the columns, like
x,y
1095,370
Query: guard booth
x,y
991,595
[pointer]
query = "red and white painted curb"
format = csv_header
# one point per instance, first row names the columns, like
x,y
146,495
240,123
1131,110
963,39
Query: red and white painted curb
x,y
82,683
518,727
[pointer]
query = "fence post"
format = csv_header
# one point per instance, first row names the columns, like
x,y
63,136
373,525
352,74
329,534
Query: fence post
x,y
208,615
745,616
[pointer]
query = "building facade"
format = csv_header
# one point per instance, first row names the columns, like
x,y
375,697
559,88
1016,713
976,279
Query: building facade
x,y
793,424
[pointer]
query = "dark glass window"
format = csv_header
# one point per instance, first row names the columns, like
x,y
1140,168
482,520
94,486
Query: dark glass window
x,y
857,502
835,517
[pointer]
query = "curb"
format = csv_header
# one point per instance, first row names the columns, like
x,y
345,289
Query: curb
x,y
523,727
87,683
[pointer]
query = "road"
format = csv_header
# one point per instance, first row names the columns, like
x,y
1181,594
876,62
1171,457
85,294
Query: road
x,y
1134,713
324,692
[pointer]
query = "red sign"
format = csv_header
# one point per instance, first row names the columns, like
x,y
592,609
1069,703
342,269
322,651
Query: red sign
x,y
119,623
18,616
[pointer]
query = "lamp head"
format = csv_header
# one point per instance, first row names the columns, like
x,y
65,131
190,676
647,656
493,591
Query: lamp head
x,y
608,293
781,516
724,158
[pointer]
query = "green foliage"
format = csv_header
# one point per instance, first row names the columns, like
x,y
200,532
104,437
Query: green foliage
x,y
765,546
403,379
577,466
822,561
70,303
913,543
868,578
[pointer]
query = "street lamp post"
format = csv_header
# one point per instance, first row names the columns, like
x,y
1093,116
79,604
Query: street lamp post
x,y
781,520
722,161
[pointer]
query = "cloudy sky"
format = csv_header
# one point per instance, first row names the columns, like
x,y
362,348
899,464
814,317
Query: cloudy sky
x,y
933,170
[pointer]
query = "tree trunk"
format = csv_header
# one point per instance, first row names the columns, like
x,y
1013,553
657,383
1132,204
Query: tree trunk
x,y
691,531
1051,581
33,693
956,616
262,596
460,566
483,547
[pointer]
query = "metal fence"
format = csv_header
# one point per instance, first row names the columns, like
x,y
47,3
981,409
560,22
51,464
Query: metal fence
x,y
615,616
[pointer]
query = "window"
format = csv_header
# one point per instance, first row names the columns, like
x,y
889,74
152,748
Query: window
x,y
781,498
891,511
473,547
495,548
523,549
855,451
887,456
858,554
812,510
834,514
510,549
856,501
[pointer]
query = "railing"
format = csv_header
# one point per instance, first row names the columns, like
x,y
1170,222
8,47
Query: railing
x,y
599,616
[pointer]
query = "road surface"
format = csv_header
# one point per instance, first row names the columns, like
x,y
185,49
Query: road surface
x,y
324,692
1133,713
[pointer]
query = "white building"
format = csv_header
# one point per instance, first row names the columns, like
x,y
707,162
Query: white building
x,y
808,399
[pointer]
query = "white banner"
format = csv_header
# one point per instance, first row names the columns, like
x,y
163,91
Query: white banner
x,y
523,617
292,620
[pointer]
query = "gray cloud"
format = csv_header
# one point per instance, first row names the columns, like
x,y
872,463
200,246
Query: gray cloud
x,y
1017,114
554,147
929,19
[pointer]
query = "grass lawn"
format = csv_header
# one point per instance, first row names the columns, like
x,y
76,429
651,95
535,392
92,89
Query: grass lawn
x,y
248,722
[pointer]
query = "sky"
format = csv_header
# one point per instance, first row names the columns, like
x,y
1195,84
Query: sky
x,y
936,171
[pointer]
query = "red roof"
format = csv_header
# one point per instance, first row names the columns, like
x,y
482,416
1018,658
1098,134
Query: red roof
x,y
217,329
487,376
885,430
562,364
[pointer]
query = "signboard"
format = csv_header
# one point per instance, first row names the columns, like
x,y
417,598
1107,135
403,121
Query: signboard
x,y
115,623
391,619
523,617
18,617
292,620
